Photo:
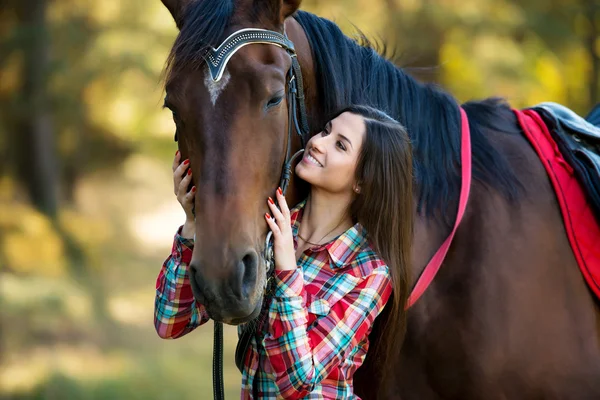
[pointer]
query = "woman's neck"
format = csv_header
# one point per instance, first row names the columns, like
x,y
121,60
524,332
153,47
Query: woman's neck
x,y
325,216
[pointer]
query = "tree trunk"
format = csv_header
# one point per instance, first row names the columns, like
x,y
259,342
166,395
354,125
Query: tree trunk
x,y
37,161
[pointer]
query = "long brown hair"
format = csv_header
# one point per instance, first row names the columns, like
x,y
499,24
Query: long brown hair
x,y
384,207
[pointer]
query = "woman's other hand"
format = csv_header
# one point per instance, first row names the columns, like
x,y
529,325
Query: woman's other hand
x,y
283,240
182,176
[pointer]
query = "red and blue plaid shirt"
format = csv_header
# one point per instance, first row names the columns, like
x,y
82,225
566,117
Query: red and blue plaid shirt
x,y
318,322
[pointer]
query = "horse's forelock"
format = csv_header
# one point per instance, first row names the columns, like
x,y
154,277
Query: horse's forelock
x,y
203,25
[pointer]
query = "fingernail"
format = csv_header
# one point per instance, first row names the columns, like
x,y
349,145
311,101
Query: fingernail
x,y
268,216
186,162
193,189
177,153
189,171
279,191
271,201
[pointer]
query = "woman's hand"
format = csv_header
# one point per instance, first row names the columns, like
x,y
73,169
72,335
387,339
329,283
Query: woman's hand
x,y
182,176
283,240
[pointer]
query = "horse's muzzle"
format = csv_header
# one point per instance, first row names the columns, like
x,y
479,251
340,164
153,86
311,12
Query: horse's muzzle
x,y
232,293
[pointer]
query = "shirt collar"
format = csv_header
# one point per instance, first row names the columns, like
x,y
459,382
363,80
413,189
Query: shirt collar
x,y
343,249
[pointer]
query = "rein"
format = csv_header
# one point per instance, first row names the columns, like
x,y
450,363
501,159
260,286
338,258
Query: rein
x,y
436,261
217,60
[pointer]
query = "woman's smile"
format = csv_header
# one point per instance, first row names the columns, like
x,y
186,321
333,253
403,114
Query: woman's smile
x,y
309,159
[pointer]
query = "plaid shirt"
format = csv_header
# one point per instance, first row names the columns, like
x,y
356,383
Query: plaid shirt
x,y
319,318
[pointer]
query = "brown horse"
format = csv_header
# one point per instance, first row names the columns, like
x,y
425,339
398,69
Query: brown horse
x,y
509,315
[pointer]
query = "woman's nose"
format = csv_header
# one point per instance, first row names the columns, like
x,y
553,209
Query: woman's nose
x,y
318,143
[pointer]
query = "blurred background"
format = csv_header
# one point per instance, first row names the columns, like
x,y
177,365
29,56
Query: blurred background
x,y
87,212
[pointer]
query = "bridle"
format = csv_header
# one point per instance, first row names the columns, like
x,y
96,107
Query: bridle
x,y
217,60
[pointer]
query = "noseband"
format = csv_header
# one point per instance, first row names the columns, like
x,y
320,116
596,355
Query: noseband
x,y
217,60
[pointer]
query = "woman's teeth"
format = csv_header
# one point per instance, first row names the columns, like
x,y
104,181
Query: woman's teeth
x,y
313,160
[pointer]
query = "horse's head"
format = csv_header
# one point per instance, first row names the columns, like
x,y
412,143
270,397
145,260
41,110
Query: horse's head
x,y
233,128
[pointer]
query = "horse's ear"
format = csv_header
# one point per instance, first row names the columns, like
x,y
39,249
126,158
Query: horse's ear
x,y
177,9
279,10
289,7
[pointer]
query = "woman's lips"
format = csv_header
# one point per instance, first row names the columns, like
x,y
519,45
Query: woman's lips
x,y
308,158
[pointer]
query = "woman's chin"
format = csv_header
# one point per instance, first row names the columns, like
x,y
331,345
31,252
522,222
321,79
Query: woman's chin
x,y
302,173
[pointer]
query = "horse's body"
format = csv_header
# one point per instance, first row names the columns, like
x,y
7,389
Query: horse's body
x,y
509,315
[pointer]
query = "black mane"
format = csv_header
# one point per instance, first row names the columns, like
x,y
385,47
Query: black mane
x,y
351,72
354,72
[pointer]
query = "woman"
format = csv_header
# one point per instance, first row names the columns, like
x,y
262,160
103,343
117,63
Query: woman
x,y
339,256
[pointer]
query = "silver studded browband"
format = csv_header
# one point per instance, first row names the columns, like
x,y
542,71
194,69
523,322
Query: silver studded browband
x,y
218,58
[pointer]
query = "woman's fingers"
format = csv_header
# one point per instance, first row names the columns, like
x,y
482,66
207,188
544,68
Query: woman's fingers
x,y
279,218
176,160
182,176
189,196
178,175
185,181
283,204
273,225
186,199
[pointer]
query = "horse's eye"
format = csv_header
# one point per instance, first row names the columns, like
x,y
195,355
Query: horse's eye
x,y
274,101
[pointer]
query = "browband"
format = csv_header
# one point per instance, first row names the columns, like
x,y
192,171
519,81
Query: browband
x,y
218,58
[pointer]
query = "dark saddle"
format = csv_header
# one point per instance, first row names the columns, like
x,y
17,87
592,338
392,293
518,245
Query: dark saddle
x,y
579,142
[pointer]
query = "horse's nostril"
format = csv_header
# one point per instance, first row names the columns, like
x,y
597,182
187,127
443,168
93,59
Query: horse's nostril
x,y
250,264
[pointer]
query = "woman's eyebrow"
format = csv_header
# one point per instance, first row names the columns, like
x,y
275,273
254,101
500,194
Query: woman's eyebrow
x,y
329,128
346,139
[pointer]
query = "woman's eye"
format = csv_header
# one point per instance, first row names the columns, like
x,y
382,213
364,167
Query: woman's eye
x,y
274,101
341,145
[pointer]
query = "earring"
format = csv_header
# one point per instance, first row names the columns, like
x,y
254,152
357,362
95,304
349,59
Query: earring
x,y
357,190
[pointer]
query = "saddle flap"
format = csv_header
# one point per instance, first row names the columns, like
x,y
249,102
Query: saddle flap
x,y
579,144
592,161
571,121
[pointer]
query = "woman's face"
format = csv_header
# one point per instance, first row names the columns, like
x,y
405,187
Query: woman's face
x,y
331,156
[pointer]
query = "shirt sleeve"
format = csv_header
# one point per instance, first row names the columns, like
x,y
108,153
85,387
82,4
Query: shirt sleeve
x,y
301,357
176,311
